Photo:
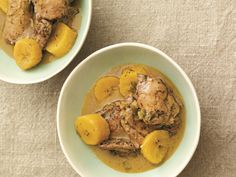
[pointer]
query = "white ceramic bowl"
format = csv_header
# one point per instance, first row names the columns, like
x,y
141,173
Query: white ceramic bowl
x,y
11,73
79,155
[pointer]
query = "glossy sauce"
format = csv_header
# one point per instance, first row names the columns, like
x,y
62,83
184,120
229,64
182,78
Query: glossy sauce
x,y
47,57
130,164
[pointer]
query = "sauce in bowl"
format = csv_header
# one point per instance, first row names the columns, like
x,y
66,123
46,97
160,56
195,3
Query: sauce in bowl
x,y
131,163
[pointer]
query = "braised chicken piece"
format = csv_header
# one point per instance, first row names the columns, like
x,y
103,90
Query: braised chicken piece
x,y
17,21
118,145
20,23
119,139
51,9
150,94
71,13
113,113
40,30
157,103
136,129
123,137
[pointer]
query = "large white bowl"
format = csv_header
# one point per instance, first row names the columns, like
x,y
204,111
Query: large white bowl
x,y
11,73
79,155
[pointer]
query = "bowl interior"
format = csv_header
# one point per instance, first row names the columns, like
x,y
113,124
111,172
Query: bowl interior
x,y
10,72
81,80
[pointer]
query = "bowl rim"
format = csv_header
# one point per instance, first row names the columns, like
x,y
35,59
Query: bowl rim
x,y
57,71
139,45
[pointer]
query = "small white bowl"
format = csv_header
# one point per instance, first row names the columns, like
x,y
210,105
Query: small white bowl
x,y
79,155
10,72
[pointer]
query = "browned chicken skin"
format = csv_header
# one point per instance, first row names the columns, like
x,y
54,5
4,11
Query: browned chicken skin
x,y
42,31
151,94
17,21
119,145
157,102
51,9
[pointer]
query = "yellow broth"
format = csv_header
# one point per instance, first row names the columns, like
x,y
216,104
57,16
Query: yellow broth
x,y
130,164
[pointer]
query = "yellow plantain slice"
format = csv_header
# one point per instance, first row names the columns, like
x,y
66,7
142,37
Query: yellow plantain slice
x,y
128,79
27,53
61,41
92,128
155,146
4,5
105,86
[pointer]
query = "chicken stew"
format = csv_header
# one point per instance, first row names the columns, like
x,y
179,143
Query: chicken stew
x,y
35,31
133,117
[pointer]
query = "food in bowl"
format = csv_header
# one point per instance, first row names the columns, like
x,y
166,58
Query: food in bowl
x,y
38,30
133,118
